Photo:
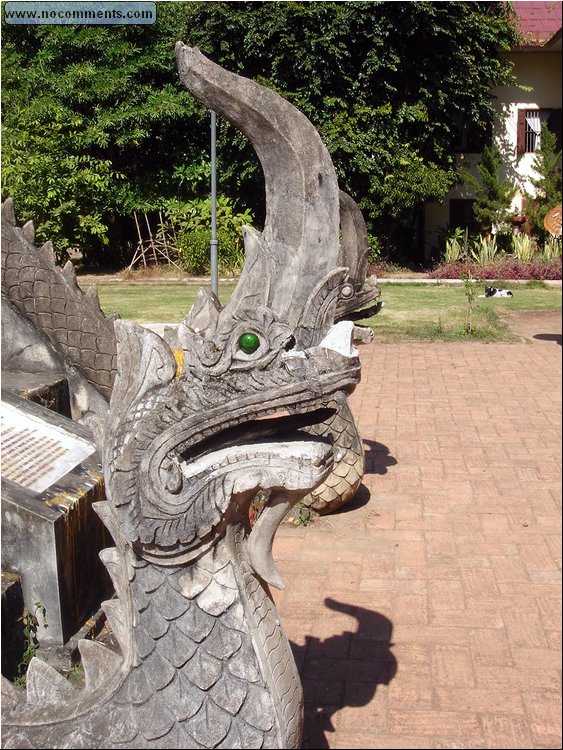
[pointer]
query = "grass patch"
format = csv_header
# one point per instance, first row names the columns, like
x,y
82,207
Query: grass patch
x,y
153,303
439,311
411,312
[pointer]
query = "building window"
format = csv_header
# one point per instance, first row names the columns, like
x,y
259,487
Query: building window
x,y
530,122
534,119
461,214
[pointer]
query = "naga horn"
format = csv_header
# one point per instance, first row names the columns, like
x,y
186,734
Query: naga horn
x,y
298,247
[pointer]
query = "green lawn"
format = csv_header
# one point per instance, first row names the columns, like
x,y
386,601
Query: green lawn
x,y
440,311
411,311
152,302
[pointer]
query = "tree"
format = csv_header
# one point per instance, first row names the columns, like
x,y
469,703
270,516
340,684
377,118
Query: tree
x,y
493,195
389,87
547,184
94,128
97,124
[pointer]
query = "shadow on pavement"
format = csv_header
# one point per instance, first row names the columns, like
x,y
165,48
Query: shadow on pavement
x,y
549,337
377,457
343,670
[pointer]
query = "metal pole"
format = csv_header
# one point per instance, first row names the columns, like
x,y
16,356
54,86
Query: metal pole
x,y
213,243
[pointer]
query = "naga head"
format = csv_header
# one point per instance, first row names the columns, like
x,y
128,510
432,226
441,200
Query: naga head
x,y
359,294
192,434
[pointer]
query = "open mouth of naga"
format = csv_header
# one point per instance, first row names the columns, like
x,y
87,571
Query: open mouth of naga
x,y
270,452
282,426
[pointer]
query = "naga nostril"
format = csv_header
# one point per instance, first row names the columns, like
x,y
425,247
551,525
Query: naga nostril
x,y
172,475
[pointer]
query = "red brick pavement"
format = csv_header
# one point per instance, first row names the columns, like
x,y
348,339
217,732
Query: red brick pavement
x,y
427,613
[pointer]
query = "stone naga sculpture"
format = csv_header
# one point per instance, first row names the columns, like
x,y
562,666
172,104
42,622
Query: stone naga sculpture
x,y
358,300
187,440
359,295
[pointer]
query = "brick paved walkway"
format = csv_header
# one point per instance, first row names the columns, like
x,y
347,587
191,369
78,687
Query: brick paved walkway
x,y
427,614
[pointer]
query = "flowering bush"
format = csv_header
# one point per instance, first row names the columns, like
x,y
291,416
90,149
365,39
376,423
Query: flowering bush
x,y
505,268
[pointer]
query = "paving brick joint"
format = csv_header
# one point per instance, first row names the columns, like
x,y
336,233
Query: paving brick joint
x,y
427,613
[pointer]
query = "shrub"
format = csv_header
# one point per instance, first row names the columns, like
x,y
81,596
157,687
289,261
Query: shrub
x,y
512,268
484,250
493,194
195,255
551,249
547,165
506,268
189,223
456,245
524,247
374,246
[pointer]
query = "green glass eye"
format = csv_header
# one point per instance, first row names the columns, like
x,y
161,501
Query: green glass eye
x,y
249,342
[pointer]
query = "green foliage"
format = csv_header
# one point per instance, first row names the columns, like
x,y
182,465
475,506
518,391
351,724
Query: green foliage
x,y
190,224
374,245
551,248
194,252
484,250
523,246
301,515
30,622
389,86
97,124
547,185
196,214
493,195
93,129
74,673
456,245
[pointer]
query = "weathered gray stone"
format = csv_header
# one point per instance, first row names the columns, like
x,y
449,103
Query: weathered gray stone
x,y
184,452
51,537
24,348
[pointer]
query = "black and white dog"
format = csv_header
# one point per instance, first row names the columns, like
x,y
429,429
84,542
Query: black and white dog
x,y
493,291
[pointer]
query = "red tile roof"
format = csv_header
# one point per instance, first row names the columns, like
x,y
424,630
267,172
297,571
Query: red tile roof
x,y
538,21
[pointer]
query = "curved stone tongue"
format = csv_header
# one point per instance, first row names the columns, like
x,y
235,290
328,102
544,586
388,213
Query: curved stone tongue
x,y
312,461
259,544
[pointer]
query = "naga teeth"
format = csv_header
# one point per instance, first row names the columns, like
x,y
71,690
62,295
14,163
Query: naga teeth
x,y
340,339
28,231
112,561
98,661
102,508
46,686
259,543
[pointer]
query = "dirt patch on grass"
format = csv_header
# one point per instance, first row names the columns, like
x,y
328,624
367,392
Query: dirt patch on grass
x,y
542,327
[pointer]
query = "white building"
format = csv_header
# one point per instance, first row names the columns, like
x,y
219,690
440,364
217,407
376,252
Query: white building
x,y
537,67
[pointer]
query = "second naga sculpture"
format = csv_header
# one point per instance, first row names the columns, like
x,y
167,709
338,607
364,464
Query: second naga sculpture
x,y
204,662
